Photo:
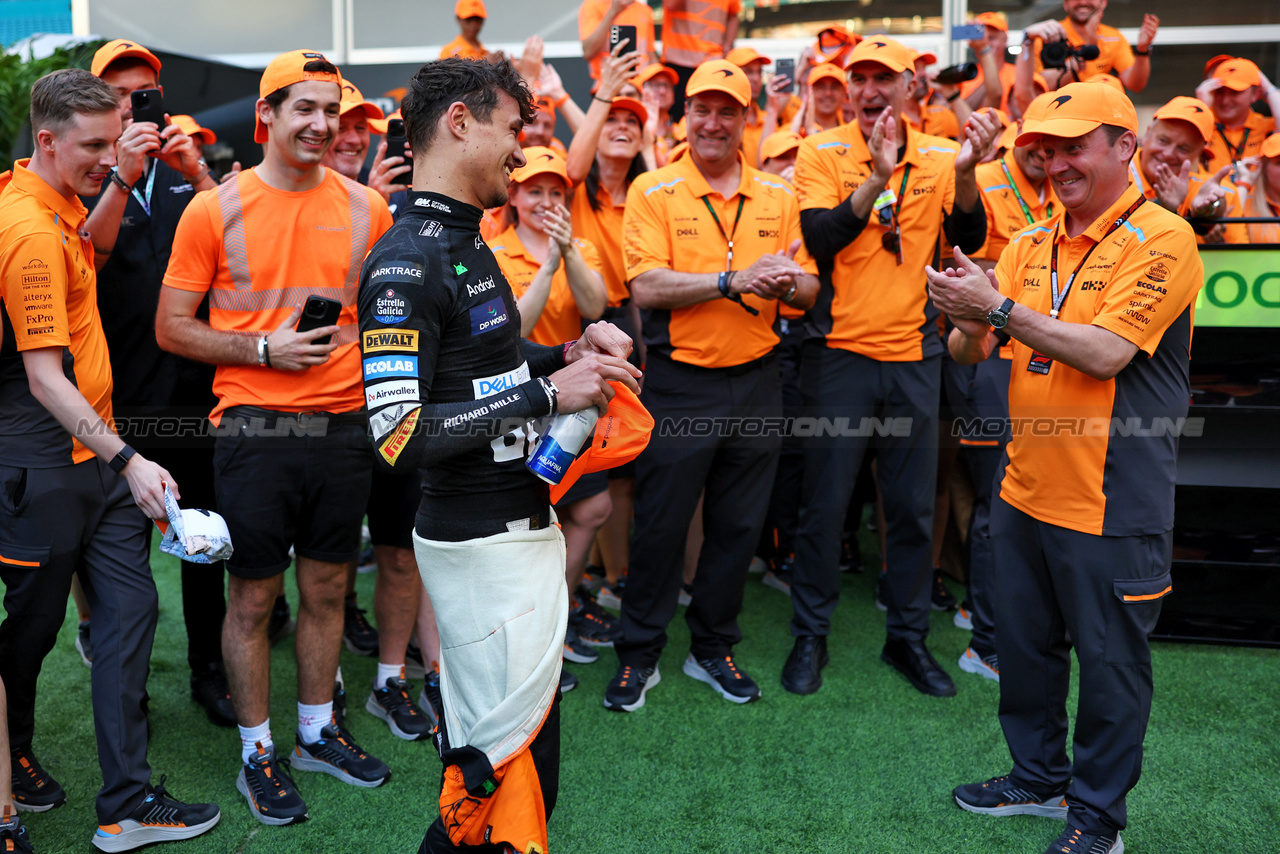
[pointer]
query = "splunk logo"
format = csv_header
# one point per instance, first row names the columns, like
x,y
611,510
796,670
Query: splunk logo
x,y
488,317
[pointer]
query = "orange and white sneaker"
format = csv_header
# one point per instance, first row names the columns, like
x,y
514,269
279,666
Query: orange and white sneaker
x,y
986,666
159,818
963,619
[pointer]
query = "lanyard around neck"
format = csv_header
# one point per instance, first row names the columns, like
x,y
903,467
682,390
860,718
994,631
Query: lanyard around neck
x,y
1060,297
1013,185
728,262
151,182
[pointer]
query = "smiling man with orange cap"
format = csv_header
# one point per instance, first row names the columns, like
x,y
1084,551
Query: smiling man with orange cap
x,y
1098,301
876,195
1238,129
258,248
712,246
471,15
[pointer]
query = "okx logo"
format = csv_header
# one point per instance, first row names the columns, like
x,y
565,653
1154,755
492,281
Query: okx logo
x,y
488,317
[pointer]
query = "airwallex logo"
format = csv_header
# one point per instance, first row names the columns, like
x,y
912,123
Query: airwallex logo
x,y
488,317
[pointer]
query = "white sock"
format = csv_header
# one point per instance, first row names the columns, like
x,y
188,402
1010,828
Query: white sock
x,y
312,719
385,672
251,736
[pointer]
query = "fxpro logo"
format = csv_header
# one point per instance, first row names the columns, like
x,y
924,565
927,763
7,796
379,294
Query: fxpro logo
x,y
500,382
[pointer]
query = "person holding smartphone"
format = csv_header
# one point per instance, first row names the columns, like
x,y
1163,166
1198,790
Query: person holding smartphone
x,y
596,20
291,462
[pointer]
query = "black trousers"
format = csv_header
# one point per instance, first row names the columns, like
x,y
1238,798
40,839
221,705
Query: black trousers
x,y
1055,589
982,449
545,750
54,522
837,384
778,538
722,452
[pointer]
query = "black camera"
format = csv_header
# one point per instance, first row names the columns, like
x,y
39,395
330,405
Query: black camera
x,y
1056,54
956,74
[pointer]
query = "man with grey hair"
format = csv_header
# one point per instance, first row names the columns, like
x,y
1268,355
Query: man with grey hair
x,y
70,488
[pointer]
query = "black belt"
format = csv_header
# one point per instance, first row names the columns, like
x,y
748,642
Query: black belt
x,y
269,417
730,371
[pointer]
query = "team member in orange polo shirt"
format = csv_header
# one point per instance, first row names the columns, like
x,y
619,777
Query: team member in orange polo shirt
x,y
778,153
72,487
876,197
825,102
1238,129
694,31
712,246
994,44
1083,26
292,464
471,16
760,123
1099,303
597,17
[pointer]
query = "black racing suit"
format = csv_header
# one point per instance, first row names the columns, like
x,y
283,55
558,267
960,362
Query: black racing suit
x,y
451,388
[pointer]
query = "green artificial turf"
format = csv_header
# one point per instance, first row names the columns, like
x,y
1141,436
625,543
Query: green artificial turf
x,y
865,765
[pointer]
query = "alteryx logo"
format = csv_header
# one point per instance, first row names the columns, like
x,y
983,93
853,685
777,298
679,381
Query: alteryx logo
x,y
488,317
391,366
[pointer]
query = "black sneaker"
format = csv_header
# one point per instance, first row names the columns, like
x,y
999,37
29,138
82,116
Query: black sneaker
x,y
942,598
626,692
577,651
567,681
593,577
357,634
1002,796
1073,840
84,645
595,626
429,700
13,836
159,818
391,703
724,676
33,789
268,787
850,556
337,753
281,624
209,690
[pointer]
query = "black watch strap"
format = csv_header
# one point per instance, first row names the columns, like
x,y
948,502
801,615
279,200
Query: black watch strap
x,y
120,460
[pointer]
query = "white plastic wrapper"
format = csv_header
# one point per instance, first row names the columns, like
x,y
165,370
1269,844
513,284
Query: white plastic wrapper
x,y
200,536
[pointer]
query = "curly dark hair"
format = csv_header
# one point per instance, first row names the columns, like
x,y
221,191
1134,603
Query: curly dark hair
x,y
475,83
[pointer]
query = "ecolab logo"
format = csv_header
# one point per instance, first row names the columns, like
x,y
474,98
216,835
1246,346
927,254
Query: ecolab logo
x,y
391,366
487,386
480,287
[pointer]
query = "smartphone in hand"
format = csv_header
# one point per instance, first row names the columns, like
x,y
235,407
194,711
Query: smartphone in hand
x,y
398,146
318,312
620,33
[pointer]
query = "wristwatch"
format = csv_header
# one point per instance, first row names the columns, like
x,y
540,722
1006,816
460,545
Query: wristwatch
x,y
999,318
120,460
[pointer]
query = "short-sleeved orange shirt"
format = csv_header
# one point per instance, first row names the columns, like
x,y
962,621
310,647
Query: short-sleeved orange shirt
x,y
936,120
693,31
50,290
668,226
1005,216
1078,458
1232,203
637,15
1227,146
463,49
875,307
1008,73
603,230
560,320
285,247
1114,53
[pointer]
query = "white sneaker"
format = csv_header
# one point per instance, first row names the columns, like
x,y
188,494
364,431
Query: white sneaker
x,y
987,667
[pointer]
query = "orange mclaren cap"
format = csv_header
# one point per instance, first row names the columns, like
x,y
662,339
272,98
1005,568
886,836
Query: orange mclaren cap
x,y
993,19
1271,146
379,126
928,57
353,100
621,434
833,44
1108,80
192,128
470,9
744,56
540,160
778,143
1238,74
1033,114
1191,110
719,75
624,103
652,70
1078,108
1215,62
285,70
119,49
825,70
892,54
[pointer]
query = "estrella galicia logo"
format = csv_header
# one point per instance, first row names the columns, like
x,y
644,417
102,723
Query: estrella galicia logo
x,y
488,317
390,307
385,367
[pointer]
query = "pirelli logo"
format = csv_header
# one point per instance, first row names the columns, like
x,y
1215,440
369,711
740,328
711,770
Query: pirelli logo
x,y
383,340
395,444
